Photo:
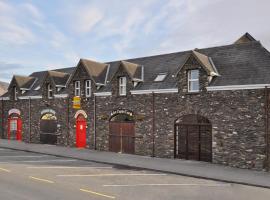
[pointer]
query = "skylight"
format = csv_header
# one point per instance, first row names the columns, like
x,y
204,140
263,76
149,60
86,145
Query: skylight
x,y
160,77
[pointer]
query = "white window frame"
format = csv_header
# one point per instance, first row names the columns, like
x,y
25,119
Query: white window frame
x,y
88,88
77,88
190,80
50,91
15,93
123,86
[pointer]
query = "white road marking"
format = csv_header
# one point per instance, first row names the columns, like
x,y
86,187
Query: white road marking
x,y
41,161
38,161
63,167
100,175
173,184
22,156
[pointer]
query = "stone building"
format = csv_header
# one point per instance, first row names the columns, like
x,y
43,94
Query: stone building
x,y
205,104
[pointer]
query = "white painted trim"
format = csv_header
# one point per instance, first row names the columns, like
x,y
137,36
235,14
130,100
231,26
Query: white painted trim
x,y
61,95
61,86
157,91
103,94
4,98
237,87
82,112
107,73
31,97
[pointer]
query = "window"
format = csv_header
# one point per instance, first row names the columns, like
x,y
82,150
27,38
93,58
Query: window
x,y
13,125
15,93
77,88
193,80
50,91
88,88
160,77
122,86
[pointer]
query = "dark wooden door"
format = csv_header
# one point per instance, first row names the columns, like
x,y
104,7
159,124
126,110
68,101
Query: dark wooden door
x,y
193,141
48,129
122,137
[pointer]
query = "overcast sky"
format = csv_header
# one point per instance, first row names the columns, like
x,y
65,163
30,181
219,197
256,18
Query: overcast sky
x,y
46,34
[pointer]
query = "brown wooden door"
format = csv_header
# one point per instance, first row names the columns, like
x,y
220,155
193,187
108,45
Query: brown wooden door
x,y
193,141
122,137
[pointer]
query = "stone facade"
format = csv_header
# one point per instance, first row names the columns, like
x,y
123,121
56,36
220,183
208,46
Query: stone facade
x,y
238,117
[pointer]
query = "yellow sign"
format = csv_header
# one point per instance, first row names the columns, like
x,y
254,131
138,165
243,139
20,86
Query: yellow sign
x,y
76,102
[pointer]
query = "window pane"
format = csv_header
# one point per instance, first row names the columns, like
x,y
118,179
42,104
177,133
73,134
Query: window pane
x,y
194,86
194,74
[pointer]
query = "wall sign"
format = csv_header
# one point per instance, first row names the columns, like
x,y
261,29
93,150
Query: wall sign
x,y
122,111
76,102
80,112
14,111
48,111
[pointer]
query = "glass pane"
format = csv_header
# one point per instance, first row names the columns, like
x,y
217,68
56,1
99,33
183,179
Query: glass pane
x,y
194,74
194,86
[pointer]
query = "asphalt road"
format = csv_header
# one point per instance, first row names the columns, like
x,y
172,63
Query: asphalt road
x,y
30,176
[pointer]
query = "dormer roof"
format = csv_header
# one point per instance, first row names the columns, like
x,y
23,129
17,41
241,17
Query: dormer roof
x,y
135,71
96,70
24,82
245,38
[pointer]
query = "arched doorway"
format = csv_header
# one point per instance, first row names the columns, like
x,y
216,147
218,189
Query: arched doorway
x,y
14,125
193,138
80,129
122,134
48,128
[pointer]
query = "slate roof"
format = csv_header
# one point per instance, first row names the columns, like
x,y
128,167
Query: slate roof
x,y
241,63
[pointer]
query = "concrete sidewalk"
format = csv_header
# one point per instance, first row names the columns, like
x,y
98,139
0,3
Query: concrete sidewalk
x,y
175,166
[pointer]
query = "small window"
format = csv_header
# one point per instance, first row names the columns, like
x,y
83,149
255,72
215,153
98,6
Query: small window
x,y
193,80
50,91
13,125
77,86
15,93
160,77
88,88
122,86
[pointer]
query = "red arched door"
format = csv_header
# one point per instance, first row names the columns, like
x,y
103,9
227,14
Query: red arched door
x,y
15,127
80,132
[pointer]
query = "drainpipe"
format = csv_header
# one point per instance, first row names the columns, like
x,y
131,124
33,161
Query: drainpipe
x,y
68,120
266,127
153,125
2,132
95,132
29,119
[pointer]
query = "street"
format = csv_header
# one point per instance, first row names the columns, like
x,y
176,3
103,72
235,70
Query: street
x,y
27,176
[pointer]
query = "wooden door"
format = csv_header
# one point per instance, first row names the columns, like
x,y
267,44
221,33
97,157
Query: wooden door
x,y
48,129
80,133
193,140
122,137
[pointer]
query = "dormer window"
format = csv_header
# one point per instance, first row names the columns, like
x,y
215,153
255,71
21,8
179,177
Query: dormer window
x,y
88,88
50,91
160,77
15,93
193,80
123,86
77,88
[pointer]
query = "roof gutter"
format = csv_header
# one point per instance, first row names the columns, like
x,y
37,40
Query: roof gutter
x,y
237,87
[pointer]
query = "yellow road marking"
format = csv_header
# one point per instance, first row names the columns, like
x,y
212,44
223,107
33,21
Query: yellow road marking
x,y
40,179
5,170
96,193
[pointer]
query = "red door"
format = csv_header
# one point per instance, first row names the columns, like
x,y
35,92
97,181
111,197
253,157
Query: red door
x,y
80,132
15,128
19,129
